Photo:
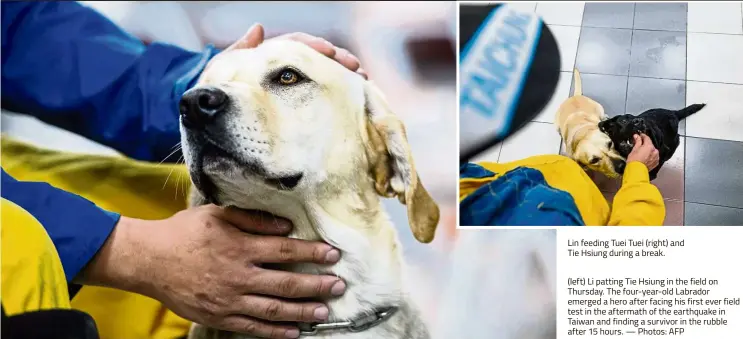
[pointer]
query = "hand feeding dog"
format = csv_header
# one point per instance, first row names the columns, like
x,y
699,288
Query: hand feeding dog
x,y
283,129
577,121
660,125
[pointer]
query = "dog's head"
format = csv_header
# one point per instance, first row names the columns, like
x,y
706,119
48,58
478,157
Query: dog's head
x,y
594,150
284,119
620,129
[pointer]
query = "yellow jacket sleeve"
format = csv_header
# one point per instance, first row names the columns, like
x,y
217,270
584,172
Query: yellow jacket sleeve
x,y
638,202
133,188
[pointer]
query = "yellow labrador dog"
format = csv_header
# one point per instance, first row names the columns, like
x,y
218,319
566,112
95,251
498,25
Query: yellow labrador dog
x,y
284,129
577,120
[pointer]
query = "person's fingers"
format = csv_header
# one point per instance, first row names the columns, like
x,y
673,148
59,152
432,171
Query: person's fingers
x,y
646,139
363,73
295,285
342,56
323,46
257,222
319,44
272,309
348,60
638,142
656,156
255,327
281,250
251,39
300,37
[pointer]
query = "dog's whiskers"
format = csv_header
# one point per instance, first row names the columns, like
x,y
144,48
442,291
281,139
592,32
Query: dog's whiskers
x,y
180,180
177,179
171,172
168,177
175,149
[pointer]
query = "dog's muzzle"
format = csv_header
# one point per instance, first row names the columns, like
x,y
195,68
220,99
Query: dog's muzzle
x,y
619,165
200,109
200,106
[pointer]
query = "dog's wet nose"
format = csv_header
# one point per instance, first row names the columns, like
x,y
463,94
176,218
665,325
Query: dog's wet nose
x,y
199,106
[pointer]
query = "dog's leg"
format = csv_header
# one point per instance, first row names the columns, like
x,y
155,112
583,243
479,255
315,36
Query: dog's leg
x,y
654,173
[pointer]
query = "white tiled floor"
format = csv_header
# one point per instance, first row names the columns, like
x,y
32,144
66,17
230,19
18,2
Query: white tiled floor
x,y
567,42
561,13
490,155
536,138
715,69
722,118
714,58
715,17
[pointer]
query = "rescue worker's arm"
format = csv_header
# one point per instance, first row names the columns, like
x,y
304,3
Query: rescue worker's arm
x,y
71,67
638,202
77,227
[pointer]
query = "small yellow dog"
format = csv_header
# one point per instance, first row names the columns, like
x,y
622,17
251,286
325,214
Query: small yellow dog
x,y
577,121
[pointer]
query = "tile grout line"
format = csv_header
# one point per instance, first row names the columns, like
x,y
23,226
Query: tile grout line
x,y
575,64
656,78
715,33
686,125
629,67
713,205
703,138
645,29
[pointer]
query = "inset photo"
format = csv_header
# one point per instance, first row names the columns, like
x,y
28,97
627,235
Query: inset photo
x,y
600,114
506,281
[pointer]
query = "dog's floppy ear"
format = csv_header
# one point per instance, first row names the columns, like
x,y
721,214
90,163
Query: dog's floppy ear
x,y
392,167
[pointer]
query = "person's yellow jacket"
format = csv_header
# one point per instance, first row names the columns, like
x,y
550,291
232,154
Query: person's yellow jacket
x,y
31,278
637,203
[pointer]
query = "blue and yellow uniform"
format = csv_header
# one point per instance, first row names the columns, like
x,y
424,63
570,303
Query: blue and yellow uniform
x,y
69,66
553,190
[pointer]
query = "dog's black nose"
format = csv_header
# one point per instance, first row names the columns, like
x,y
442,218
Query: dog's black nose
x,y
619,166
199,106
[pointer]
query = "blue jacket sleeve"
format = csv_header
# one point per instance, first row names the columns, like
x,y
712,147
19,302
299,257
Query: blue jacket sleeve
x,y
71,67
77,227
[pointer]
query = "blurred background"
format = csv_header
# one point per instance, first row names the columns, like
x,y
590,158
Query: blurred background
x,y
408,49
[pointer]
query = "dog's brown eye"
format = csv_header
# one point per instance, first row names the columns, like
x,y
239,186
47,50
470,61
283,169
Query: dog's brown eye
x,y
594,161
288,77
610,144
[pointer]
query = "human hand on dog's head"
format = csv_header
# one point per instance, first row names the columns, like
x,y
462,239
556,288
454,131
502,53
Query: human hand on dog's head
x,y
622,129
644,151
256,35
